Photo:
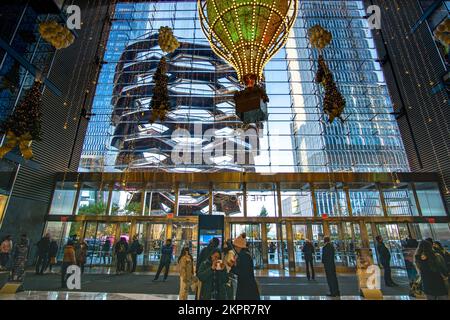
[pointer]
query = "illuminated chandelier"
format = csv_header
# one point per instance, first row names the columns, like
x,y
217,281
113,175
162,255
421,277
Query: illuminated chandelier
x,y
247,34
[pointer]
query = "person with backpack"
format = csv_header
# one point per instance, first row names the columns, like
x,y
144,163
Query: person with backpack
x,y
121,250
69,259
166,258
135,249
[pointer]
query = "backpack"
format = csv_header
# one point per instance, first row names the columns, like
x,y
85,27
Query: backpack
x,y
140,249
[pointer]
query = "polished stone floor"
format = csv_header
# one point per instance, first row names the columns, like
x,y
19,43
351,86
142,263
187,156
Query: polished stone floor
x,y
64,295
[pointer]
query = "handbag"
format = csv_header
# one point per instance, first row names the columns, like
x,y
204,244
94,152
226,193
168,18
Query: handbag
x,y
53,260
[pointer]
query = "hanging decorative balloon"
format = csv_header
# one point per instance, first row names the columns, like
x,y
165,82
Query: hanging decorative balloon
x,y
247,34
333,102
56,34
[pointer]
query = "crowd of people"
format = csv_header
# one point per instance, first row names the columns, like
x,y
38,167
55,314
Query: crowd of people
x,y
228,274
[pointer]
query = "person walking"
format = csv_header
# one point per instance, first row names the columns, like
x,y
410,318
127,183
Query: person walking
x,y
52,254
186,269
135,249
105,251
121,250
166,258
385,260
20,257
247,288
308,252
69,259
5,252
43,246
433,272
328,254
213,275
81,254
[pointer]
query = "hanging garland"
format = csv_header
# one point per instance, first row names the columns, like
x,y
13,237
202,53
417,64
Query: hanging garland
x,y
24,125
160,100
56,34
167,41
333,102
442,32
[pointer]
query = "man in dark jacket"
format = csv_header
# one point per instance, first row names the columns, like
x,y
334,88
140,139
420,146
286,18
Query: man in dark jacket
x,y
135,249
206,252
330,267
385,260
121,250
247,289
43,247
308,252
166,258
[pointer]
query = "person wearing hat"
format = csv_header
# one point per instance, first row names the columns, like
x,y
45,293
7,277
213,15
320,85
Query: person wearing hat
x,y
247,289
213,276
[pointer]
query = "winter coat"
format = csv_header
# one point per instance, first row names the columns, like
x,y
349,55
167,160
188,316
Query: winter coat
x,y
186,268
43,246
308,251
328,255
53,251
121,248
247,289
203,256
69,255
213,281
432,275
134,247
166,253
384,254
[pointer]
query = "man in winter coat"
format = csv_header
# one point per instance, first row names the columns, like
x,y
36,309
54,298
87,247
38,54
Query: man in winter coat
x,y
135,250
385,260
43,247
330,267
247,289
308,252
121,250
166,258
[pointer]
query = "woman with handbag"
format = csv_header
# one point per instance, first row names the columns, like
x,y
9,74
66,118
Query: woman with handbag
x,y
52,253
186,269
433,272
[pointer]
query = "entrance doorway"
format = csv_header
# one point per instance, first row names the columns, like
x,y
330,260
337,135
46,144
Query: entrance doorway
x,y
254,242
393,234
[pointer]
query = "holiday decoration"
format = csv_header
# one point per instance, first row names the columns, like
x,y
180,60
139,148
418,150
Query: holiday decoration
x,y
24,125
247,34
167,41
442,32
333,101
160,100
251,104
56,34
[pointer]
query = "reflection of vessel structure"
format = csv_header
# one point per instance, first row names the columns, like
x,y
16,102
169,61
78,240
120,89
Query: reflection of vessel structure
x,y
201,123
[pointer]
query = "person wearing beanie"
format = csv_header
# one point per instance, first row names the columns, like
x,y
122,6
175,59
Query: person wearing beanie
x,y
247,289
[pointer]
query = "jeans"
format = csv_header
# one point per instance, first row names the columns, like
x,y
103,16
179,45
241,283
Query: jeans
x,y
309,264
121,260
133,262
41,263
163,264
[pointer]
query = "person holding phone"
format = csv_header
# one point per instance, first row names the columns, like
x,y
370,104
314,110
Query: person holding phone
x,y
213,275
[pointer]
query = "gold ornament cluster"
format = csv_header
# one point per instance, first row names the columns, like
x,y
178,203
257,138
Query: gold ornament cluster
x,y
442,32
167,41
319,37
56,34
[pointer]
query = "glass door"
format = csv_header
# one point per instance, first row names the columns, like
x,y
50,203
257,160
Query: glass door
x,y
154,236
100,238
184,234
392,235
317,240
300,234
254,242
273,245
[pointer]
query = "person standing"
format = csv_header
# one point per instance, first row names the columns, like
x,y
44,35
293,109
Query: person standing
x,y
308,252
5,252
43,246
247,288
230,255
385,260
135,249
433,272
52,254
328,254
213,276
105,251
20,257
186,269
166,258
121,250
206,252
439,249
81,254
69,259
